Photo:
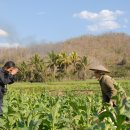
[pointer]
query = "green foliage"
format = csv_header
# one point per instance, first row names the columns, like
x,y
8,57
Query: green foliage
x,y
34,70
119,71
116,116
41,111
38,110
53,67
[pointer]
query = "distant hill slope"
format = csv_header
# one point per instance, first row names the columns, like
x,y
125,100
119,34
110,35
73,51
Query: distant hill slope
x,y
106,48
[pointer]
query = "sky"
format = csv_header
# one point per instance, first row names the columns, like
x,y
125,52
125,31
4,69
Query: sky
x,y
33,21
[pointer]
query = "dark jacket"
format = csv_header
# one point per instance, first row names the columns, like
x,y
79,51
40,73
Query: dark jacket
x,y
5,78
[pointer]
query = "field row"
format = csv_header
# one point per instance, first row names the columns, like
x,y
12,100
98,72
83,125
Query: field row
x,y
89,86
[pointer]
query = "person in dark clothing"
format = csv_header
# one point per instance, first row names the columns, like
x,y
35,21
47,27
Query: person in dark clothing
x,y
7,76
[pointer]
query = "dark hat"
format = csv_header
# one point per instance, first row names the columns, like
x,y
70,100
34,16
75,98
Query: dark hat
x,y
9,64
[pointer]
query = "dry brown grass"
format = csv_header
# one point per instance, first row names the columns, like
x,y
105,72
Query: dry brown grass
x,y
107,48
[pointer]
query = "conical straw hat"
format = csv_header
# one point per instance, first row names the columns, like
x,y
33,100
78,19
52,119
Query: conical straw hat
x,y
99,68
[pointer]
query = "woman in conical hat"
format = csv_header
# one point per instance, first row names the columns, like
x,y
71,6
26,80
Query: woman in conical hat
x,y
106,83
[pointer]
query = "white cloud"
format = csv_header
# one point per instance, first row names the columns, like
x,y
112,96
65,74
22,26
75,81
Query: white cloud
x,y
109,25
9,45
104,20
102,15
86,15
3,33
109,15
103,26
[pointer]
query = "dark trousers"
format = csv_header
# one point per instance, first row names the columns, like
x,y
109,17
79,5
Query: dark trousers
x,y
1,100
1,103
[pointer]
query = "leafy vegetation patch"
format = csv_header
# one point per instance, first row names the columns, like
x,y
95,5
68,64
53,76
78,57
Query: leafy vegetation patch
x,y
27,109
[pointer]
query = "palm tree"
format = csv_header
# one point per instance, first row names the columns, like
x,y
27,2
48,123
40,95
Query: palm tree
x,y
84,62
80,67
24,72
37,66
52,63
74,59
63,61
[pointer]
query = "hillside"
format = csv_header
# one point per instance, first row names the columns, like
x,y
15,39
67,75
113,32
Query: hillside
x,y
107,48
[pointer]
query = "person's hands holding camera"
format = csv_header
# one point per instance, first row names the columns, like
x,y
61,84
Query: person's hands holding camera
x,y
14,71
